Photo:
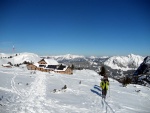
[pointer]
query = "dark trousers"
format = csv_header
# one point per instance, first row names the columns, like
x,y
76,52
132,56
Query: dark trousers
x,y
104,92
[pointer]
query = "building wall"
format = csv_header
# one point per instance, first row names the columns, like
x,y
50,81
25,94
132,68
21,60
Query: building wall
x,y
7,66
42,62
33,67
67,71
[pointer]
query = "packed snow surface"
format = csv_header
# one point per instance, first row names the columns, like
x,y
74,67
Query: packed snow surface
x,y
21,91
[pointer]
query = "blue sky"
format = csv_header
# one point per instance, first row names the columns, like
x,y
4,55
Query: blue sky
x,y
83,27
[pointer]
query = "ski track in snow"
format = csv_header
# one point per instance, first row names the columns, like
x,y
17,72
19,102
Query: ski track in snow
x,y
31,101
101,105
36,97
13,85
108,106
98,104
7,90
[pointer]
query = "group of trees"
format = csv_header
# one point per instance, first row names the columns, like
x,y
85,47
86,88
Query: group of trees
x,y
17,65
9,56
73,67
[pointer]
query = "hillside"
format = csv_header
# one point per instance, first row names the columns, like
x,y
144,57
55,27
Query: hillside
x,y
130,62
18,58
23,92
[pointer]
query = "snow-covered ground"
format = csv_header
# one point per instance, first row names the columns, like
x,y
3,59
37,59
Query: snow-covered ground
x,y
23,92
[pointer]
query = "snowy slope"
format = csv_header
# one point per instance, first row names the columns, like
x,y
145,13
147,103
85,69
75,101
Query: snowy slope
x,y
125,63
5,55
30,57
18,58
23,92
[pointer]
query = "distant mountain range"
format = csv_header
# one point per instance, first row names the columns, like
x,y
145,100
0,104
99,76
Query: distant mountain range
x,y
79,61
117,66
130,62
125,63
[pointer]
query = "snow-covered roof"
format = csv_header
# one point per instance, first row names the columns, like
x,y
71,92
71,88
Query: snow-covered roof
x,y
51,62
62,69
36,64
6,65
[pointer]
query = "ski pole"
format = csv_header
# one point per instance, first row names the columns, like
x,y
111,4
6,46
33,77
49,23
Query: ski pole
x,y
109,90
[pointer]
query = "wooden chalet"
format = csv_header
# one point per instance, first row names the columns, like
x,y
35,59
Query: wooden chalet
x,y
47,65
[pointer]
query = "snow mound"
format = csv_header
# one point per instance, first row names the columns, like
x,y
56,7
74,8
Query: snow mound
x,y
18,58
29,57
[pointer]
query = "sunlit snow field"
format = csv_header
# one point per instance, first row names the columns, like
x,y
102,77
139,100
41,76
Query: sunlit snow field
x,y
23,92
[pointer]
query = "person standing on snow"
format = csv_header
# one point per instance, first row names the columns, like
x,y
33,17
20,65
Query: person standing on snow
x,y
104,85
104,82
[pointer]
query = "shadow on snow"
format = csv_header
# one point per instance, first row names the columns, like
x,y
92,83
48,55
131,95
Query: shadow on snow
x,y
97,90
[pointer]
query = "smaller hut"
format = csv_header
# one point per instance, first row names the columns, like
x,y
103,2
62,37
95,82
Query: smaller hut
x,y
63,69
6,65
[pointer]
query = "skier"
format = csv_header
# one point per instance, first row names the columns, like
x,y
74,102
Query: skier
x,y
104,85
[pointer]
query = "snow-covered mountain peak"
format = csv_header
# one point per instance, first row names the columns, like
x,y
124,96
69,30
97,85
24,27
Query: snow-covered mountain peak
x,y
93,57
133,56
124,62
69,56
65,57
104,57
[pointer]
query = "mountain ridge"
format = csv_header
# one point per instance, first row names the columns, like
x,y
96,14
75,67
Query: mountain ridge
x,y
129,62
